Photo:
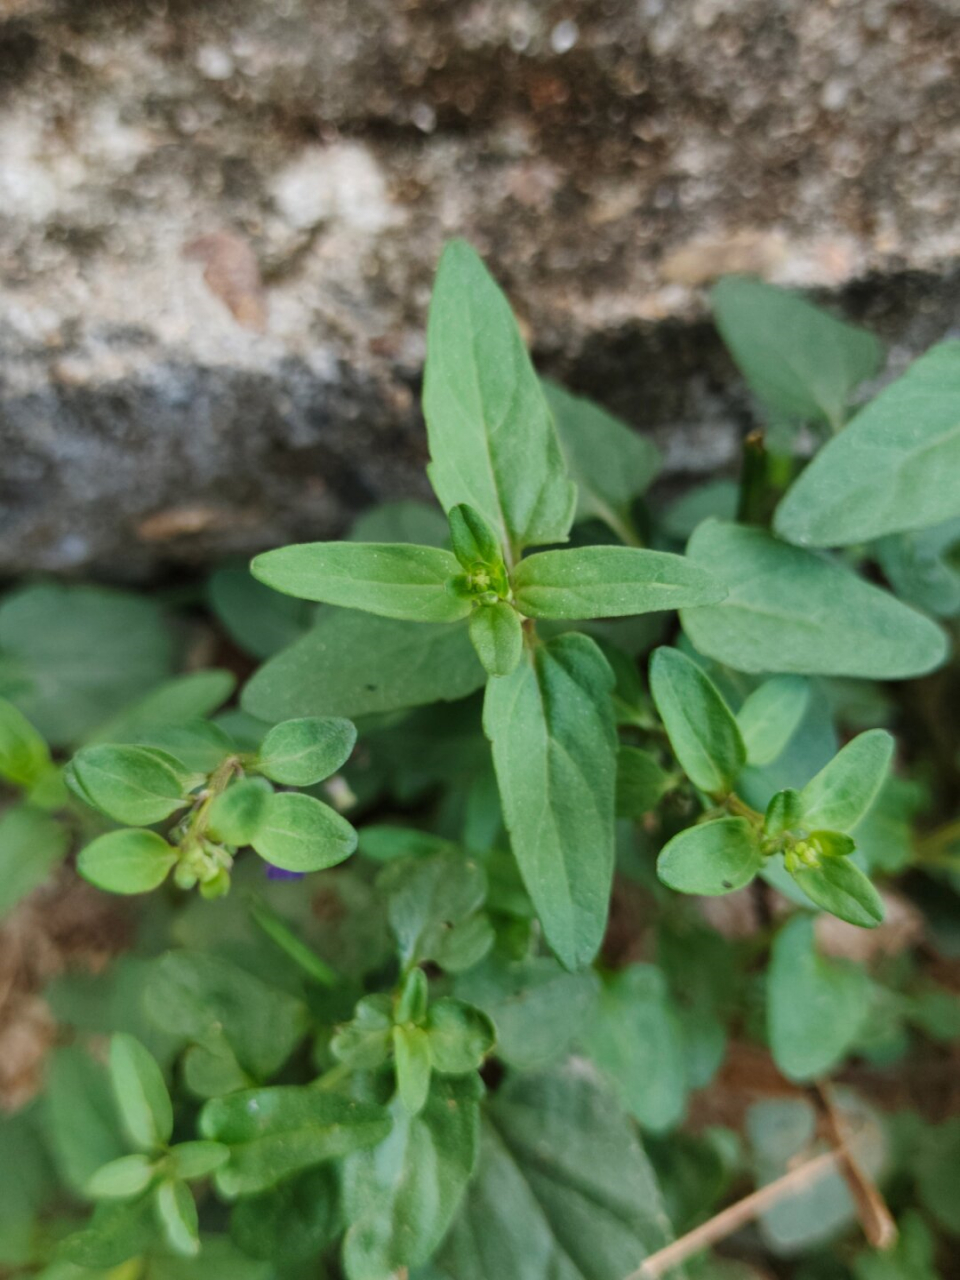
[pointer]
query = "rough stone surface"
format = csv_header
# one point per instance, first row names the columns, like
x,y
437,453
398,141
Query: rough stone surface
x,y
219,222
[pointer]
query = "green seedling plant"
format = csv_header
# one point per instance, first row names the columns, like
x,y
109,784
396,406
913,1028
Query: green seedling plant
x,y
540,805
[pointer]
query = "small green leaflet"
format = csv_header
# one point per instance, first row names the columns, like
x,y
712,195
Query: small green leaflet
x,y
121,1178
299,833
497,635
790,610
711,858
131,861
400,1197
923,567
394,580
23,753
771,715
354,664
563,1189
611,464
189,697
412,1062
80,1120
237,814
895,467
840,887
641,783
429,901
460,1036
177,1214
842,792
142,1097
815,1007
799,361
609,582
136,785
31,845
299,753
634,1038
493,443
273,1133
554,750
701,727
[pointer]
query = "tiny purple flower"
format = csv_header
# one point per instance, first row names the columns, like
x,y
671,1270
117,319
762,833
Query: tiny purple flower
x,y
278,873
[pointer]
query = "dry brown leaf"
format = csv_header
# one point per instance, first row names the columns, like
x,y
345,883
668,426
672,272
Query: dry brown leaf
x,y
232,272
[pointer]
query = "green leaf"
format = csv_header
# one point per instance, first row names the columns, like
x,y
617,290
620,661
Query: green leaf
x,y
563,1189
842,792
177,1213
784,813
299,753
190,995
427,898
609,582
259,620
198,745
840,887
474,542
353,664
118,1231
237,814
122,1178
400,1197
497,635
815,1007
712,858
83,654
411,1052
460,1036
127,861
366,1042
790,610
641,783
799,361
189,697
273,1133
610,463
31,845
141,1093
771,715
24,755
895,467
634,1038
394,580
422,523
135,785
701,727
923,567
300,833
554,749
197,1159
536,1007
80,1117
492,439
292,1223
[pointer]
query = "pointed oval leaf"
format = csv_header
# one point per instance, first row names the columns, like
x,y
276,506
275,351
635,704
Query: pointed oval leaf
x,y
815,1007
392,579
474,542
411,1054
141,1093
460,1036
641,783
895,467
712,858
198,1159
122,1178
609,582
610,464
492,439
497,635
299,753
701,727
554,749
789,610
842,792
177,1213
127,861
299,833
273,1133
237,814
23,753
840,887
771,715
31,845
136,785
799,361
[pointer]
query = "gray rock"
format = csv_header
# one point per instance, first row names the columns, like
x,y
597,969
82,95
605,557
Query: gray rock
x,y
219,223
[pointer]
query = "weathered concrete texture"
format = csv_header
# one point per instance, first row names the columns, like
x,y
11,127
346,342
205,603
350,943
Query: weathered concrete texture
x,y
219,221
